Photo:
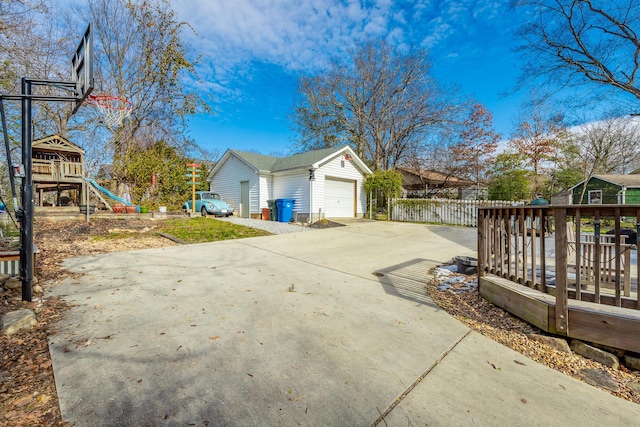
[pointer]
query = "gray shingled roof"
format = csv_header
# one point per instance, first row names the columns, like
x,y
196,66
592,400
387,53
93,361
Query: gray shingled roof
x,y
275,164
259,161
304,159
623,180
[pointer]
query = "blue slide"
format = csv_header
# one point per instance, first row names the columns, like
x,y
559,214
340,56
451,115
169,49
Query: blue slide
x,y
109,193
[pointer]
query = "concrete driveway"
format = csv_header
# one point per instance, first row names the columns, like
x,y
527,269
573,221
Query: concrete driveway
x,y
331,327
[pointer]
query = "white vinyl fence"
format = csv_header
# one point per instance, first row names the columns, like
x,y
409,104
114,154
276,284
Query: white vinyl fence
x,y
441,211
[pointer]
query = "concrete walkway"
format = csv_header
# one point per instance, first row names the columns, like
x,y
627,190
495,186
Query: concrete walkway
x,y
331,327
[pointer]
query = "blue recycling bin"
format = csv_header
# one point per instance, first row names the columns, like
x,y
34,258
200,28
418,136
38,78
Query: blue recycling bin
x,y
285,209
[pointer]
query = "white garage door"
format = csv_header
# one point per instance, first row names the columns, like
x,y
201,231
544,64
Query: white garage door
x,y
339,198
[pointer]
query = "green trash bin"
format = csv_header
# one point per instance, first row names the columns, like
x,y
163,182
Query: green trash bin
x,y
273,210
539,201
546,228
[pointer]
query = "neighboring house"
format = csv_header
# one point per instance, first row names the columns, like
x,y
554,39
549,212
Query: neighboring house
x,y
608,190
323,183
105,173
420,184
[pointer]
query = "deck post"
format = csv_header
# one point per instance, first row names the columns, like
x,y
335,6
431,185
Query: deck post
x,y
562,308
482,246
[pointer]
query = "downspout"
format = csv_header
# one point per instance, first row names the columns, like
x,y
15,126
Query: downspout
x,y
312,177
623,199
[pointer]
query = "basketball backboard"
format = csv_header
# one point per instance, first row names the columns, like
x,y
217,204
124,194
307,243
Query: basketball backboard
x,y
82,67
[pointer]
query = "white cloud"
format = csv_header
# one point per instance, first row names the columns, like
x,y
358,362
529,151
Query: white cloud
x,y
302,36
280,32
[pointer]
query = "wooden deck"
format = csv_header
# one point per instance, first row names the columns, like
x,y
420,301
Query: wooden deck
x,y
587,291
604,324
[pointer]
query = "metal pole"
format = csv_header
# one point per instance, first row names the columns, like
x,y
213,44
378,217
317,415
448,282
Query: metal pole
x,y
9,162
26,213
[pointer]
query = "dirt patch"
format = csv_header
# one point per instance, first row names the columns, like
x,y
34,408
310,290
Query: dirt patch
x,y
325,223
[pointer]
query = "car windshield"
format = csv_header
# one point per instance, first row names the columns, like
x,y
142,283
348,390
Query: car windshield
x,y
211,196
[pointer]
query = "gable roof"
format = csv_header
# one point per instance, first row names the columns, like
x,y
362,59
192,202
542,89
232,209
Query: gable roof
x,y
57,143
259,162
632,180
623,180
270,164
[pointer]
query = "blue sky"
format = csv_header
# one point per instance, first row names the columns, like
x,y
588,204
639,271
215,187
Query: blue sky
x,y
254,50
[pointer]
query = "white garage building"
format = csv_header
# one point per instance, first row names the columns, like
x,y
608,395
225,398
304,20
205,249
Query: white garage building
x,y
326,183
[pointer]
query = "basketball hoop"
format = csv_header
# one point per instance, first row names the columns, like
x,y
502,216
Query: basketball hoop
x,y
113,109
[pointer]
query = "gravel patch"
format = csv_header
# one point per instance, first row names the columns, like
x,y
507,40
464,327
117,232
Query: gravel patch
x,y
273,227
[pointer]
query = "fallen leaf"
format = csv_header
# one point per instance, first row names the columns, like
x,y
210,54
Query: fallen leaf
x,y
43,398
297,398
21,401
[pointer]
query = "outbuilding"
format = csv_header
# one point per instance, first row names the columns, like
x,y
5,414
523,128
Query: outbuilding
x,y
607,190
327,183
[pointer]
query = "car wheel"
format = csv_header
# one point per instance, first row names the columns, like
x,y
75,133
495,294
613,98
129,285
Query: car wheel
x,y
203,211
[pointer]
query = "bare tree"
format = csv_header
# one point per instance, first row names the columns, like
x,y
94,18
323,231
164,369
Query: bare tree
x,y
383,102
140,56
575,42
608,146
29,47
474,152
22,44
539,128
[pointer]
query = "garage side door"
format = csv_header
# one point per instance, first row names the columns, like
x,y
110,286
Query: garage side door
x,y
339,198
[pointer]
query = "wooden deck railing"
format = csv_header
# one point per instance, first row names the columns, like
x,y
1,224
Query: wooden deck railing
x,y
57,170
564,251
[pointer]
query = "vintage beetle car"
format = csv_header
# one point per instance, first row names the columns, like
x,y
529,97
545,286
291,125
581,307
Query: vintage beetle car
x,y
208,202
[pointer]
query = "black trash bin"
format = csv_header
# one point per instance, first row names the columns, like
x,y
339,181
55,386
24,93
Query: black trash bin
x,y
273,210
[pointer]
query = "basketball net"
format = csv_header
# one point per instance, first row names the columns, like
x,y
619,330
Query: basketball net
x,y
112,108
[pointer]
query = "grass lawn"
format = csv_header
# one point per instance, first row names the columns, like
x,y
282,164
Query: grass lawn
x,y
202,229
